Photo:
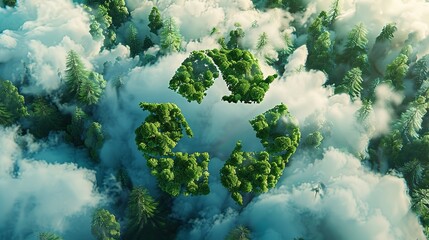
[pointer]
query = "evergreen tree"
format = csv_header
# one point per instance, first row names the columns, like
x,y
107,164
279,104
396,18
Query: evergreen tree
x,y
334,11
76,74
387,33
352,83
355,53
118,11
239,233
411,120
133,41
12,105
235,37
262,41
155,20
171,39
104,225
94,139
44,118
396,71
142,209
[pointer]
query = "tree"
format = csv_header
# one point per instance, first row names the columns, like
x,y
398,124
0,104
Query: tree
x,y
83,85
239,233
155,20
411,120
104,225
118,11
171,40
355,53
314,139
12,105
44,118
334,11
352,83
49,236
396,71
76,128
91,89
94,139
365,110
133,41
142,209
262,41
235,37
319,45
76,73
387,33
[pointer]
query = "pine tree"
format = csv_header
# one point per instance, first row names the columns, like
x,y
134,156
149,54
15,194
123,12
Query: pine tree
x,y
104,225
396,71
155,20
239,233
142,209
411,120
387,33
133,41
12,105
94,139
262,41
171,39
353,82
76,74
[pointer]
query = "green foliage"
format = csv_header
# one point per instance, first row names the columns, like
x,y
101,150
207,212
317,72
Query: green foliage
x,y
314,139
239,233
176,172
142,209
419,71
355,53
352,83
334,11
94,139
10,3
171,39
396,71
44,117
319,45
235,37
104,225
262,41
84,86
243,76
133,41
365,110
155,20
181,172
195,75
257,172
411,120
162,129
292,6
76,128
387,33
124,179
12,105
117,10
49,236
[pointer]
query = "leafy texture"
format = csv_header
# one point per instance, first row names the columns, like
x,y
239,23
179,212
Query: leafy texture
x,y
176,172
195,75
155,20
104,225
171,39
142,209
352,83
12,105
256,172
239,233
411,120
